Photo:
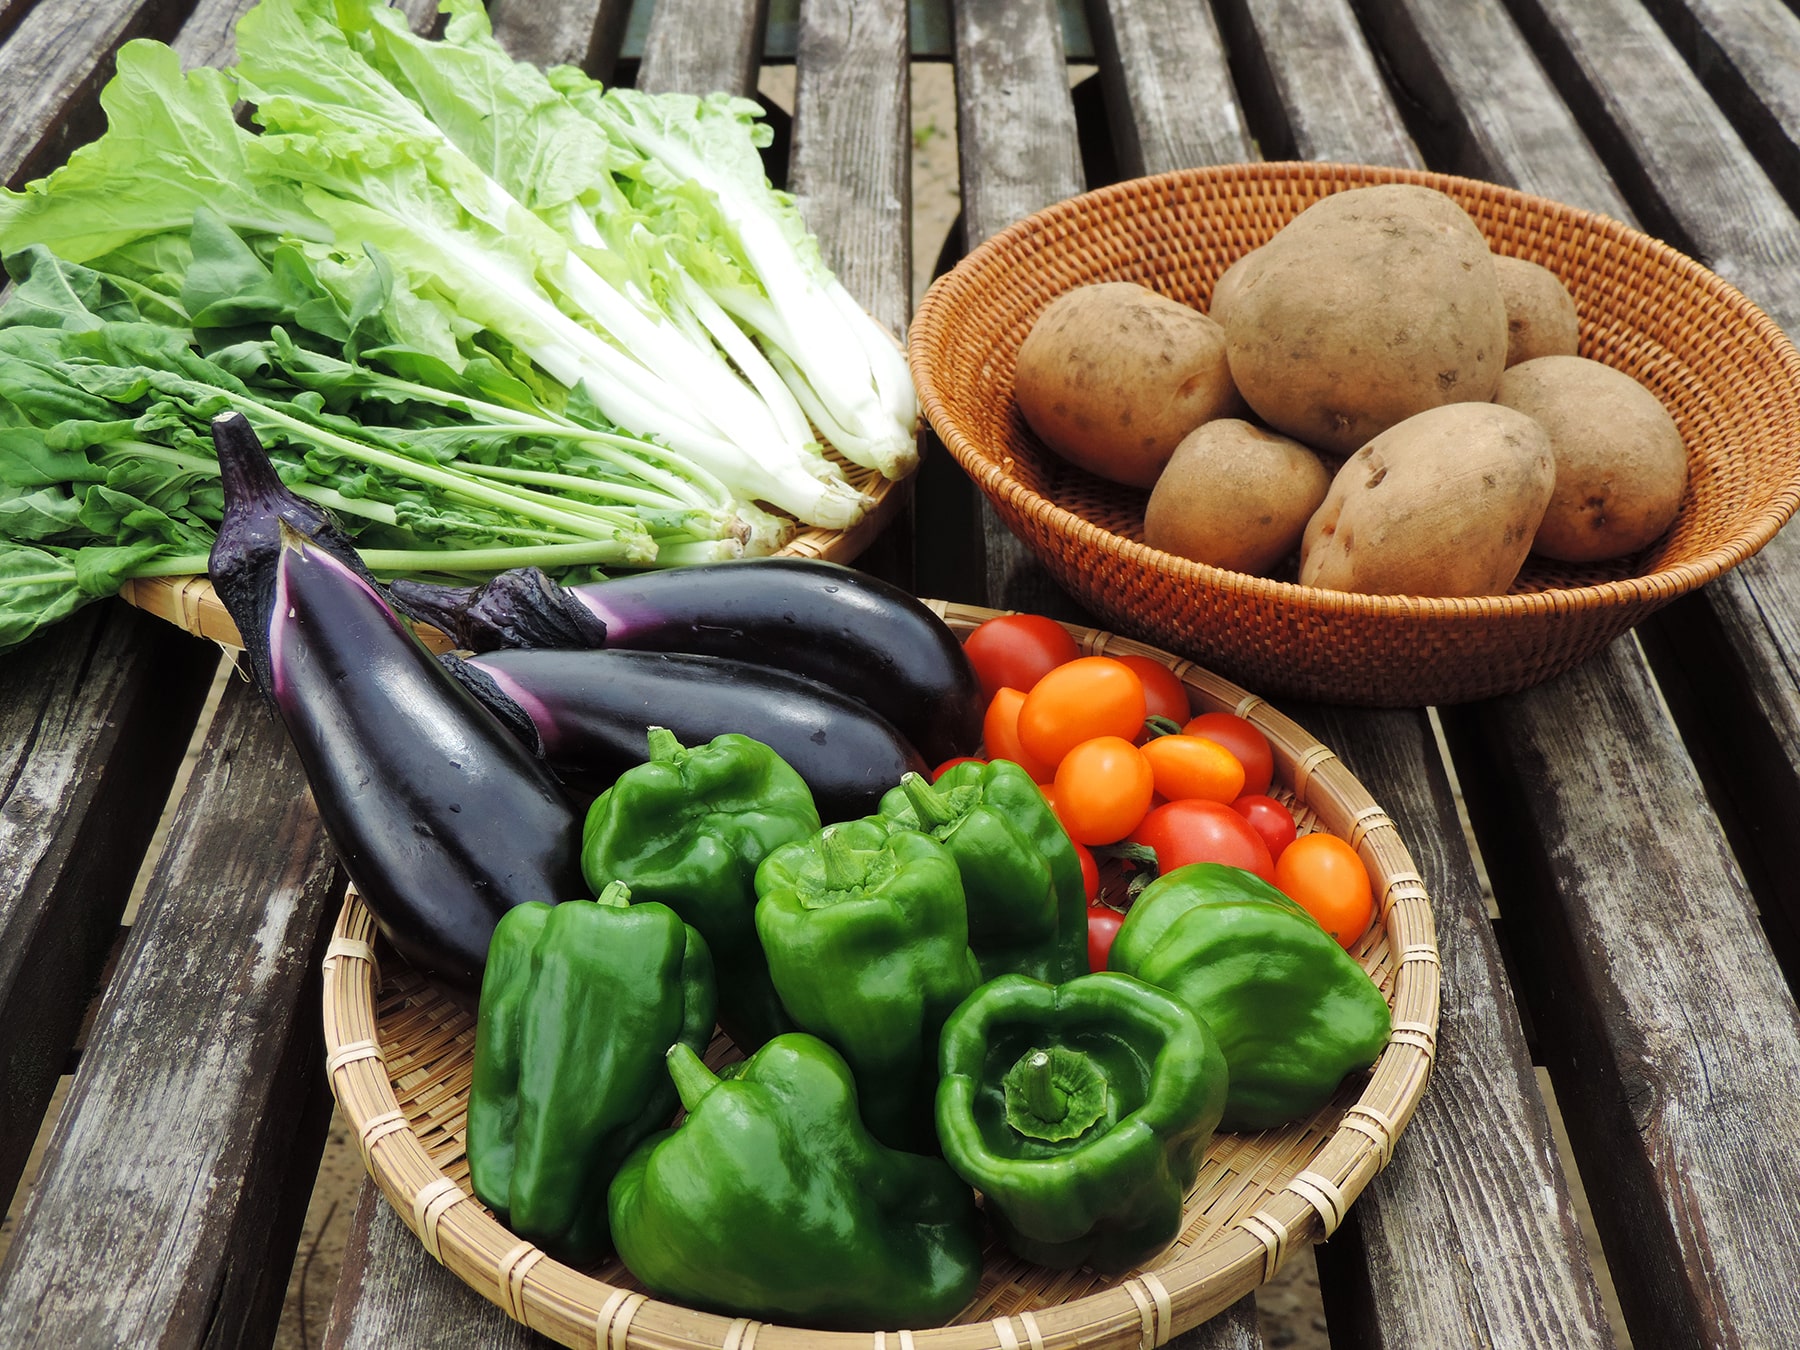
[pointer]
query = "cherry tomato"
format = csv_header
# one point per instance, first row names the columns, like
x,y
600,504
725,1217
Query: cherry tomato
x,y
1079,700
1269,818
1015,651
1198,831
1000,734
1164,693
1103,927
1244,739
1103,788
1193,766
1090,871
1322,874
950,764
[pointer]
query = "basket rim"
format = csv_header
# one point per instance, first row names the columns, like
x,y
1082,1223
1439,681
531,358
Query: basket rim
x,y
1144,1309
1752,531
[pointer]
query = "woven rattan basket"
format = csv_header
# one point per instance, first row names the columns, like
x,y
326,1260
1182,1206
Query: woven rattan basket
x,y
189,602
1721,367
399,1053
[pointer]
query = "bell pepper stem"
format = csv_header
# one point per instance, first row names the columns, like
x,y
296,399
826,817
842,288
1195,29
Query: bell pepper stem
x,y
1045,1100
663,745
615,893
928,803
838,860
693,1080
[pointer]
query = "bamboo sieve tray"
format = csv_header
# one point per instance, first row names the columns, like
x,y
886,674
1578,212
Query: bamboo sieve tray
x,y
399,1052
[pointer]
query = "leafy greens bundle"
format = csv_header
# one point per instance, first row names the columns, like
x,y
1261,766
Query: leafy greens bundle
x,y
489,315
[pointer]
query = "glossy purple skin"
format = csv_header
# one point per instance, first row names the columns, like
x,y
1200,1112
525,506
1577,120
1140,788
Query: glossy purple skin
x,y
593,709
442,819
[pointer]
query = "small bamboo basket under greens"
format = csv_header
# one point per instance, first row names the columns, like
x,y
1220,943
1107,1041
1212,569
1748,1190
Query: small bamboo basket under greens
x,y
399,1052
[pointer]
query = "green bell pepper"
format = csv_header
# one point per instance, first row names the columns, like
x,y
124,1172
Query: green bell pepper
x,y
688,829
1081,1112
1293,1011
579,1003
1020,873
771,1200
868,944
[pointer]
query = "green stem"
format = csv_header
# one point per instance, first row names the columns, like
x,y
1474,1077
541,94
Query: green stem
x,y
693,1080
663,745
1043,1098
928,804
615,894
839,860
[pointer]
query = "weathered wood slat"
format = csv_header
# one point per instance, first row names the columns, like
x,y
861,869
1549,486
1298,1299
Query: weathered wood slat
x,y
1168,87
586,34
701,45
392,1294
1311,85
95,715
1747,54
52,68
194,1124
850,165
1671,1038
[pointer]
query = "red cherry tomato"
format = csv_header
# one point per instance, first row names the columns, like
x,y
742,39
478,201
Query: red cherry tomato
x,y
1090,870
1000,734
950,764
1269,818
1015,651
1245,740
1200,831
1164,693
1103,927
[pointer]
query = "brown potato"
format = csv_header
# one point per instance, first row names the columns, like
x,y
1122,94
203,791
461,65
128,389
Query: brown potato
x,y
1540,312
1620,463
1235,496
1113,375
1370,306
1445,503
1224,291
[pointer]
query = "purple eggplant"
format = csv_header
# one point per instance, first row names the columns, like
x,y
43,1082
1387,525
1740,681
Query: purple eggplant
x,y
827,622
591,709
442,818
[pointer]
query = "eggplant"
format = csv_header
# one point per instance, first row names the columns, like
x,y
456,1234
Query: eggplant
x,y
442,818
592,710
860,635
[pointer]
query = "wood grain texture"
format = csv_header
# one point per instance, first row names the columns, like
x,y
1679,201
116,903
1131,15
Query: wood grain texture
x,y
585,33
199,1098
95,715
698,46
1672,1040
1312,86
52,67
1234,1329
1168,87
1747,54
1469,1237
393,1294
850,164
1487,108
1691,179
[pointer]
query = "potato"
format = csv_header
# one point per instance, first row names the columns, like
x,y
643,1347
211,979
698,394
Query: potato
x,y
1369,306
1620,463
1540,312
1224,290
1444,503
1113,375
1235,496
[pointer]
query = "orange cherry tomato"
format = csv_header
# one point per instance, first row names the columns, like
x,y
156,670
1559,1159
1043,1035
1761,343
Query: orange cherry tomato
x,y
1323,875
1014,651
1244,739
1103,789
1187,767
1000,734
1079,700
1164,693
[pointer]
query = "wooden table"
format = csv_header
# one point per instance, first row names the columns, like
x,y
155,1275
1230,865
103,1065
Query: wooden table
x,y
1637,815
